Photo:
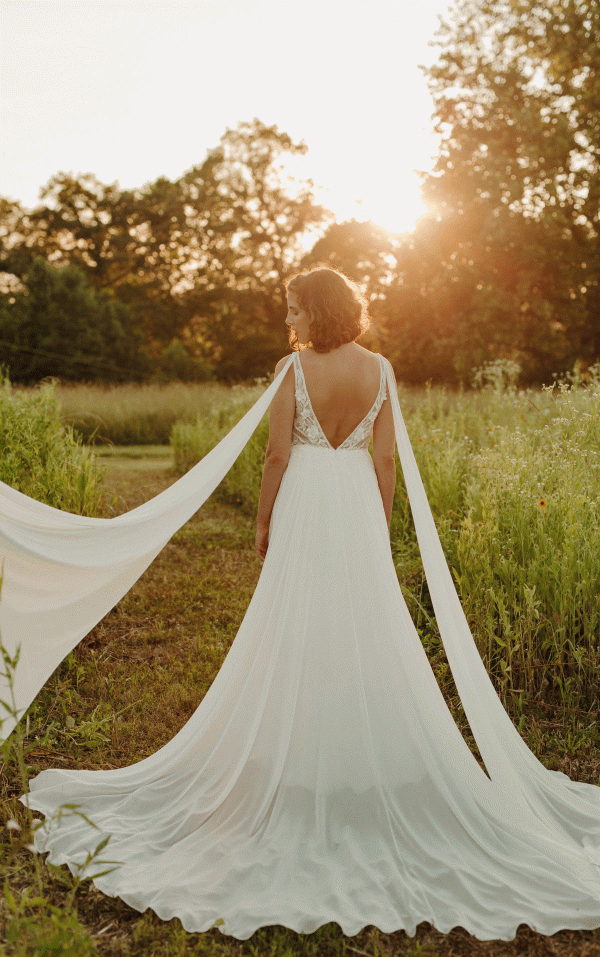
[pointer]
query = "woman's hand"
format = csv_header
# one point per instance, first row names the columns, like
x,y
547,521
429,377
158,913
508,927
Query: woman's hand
x,y
262,541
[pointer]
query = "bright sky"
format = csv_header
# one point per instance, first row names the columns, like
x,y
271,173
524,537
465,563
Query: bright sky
x,y
134,89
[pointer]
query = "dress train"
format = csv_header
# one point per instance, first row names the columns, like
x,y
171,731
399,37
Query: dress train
x,y
322,777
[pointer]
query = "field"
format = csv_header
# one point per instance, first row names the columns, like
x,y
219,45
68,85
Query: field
x,y
513,480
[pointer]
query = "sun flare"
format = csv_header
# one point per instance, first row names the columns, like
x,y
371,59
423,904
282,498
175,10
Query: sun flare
x,y
389,197
396,210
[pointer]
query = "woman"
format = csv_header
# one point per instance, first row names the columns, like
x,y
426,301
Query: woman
x,y
342,378
322,777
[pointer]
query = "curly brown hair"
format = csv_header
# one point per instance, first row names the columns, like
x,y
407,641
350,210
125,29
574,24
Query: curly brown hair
x,y
337,309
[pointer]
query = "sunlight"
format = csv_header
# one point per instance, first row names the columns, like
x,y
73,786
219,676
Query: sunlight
x,y
394,203
369,185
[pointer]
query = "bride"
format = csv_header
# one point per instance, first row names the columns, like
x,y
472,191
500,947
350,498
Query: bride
x,y
322,777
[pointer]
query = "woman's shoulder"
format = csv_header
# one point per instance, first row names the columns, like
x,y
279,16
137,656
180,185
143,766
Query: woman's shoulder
x,y
373,356
282,362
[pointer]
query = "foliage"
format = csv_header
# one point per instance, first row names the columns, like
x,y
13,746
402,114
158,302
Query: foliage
x,y
505,265
198,260
177,364
41,457
58,324
526,548
508,261
512,477
34,925
251,229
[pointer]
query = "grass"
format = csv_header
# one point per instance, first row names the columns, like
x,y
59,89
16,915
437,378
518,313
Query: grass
x,y
41,457
140,674
137,414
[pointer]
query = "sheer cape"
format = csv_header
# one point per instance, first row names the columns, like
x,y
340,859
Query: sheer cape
x,y
64,572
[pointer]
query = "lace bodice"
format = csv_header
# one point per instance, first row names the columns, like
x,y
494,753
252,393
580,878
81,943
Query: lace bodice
x,y
307,430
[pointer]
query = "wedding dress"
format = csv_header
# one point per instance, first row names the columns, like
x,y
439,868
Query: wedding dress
x,y
322,777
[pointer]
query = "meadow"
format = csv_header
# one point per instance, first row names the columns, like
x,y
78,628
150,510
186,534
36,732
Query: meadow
x,y
513,480
137,414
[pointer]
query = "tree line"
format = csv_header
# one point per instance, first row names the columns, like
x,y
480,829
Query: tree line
x,y
184,278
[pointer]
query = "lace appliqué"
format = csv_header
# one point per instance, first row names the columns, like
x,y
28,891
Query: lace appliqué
x,y
306,429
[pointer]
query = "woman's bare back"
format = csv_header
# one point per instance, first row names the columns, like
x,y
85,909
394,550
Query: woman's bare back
x,y
342,387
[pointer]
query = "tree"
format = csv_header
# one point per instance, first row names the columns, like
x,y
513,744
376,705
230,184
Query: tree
x,y
59,325
127,241
199,259
250,226
514,195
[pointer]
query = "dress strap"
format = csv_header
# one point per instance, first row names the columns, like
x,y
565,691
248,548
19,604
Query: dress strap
x,y
298,376
383,381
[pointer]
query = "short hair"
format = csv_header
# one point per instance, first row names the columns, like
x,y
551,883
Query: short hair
x,y
337,309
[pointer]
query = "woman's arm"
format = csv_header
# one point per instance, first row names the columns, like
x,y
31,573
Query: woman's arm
x,y
281,421
384,457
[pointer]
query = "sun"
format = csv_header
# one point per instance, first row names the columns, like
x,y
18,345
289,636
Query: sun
x,y
393,202
370,188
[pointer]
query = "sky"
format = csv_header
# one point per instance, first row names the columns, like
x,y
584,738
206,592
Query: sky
x,y
131,90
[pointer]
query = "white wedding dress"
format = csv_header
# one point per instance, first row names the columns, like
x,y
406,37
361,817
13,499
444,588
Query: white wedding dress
x,y
322,777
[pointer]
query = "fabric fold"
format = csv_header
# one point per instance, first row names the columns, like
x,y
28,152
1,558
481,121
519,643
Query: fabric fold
x,y
519,777
322,776
63,573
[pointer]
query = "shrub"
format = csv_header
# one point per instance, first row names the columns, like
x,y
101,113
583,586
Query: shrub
x,y
40,455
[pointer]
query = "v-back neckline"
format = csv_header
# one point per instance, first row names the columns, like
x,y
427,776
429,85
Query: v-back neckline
x,y
320,427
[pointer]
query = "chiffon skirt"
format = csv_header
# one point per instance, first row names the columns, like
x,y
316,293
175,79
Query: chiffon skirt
x,y
322,777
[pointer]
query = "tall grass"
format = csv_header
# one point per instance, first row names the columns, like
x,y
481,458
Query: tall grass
x,y
191,441
513,479
40,456
511,476
135,414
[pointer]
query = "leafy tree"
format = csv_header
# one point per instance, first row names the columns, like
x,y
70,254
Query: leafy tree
x,y
59,325
250,226
127,241
176,362
200,257
514,196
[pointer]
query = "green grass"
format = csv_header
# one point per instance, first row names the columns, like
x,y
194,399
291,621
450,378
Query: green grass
x,y
139,453
40,456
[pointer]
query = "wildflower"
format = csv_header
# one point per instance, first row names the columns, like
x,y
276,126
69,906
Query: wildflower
x,y
13,825
542,504
480,523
